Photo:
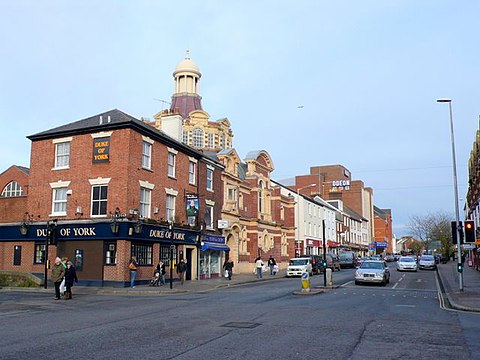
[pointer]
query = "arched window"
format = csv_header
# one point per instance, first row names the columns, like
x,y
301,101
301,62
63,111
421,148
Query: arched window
x,y
197,138
260,196
13,189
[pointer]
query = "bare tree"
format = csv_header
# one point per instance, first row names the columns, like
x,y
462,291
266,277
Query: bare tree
x,y
433,227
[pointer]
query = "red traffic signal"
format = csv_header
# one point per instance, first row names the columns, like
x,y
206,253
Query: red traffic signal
x,y
470,233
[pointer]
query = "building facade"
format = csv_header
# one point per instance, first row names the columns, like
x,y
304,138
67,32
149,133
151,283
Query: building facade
x,y
111,187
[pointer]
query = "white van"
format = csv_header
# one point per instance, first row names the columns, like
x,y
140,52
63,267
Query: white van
x,y
297,266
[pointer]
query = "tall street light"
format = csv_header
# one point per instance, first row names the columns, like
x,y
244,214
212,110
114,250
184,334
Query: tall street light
x,y
298,216
455,189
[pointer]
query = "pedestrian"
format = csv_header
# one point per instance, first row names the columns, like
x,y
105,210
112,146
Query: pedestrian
x,y
228,266
62,285
58,272
70,277
181,269
271,265
161,268
133,270
259,267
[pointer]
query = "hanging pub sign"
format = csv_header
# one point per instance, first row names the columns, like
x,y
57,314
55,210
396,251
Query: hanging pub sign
x,y
101,150
192,209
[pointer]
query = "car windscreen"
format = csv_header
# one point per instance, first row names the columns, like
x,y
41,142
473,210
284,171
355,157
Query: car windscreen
x,y
427,257
406,259
371,265
297,262
345,257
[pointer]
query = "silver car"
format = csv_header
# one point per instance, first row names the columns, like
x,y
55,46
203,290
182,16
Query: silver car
x,y
427,262
406,263
373,271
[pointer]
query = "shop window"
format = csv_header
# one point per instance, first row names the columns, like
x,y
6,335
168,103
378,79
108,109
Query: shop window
x,y
165,254
110,253
17,255
143,253
39,254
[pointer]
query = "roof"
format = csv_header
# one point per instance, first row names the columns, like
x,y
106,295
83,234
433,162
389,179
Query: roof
x,y
114,120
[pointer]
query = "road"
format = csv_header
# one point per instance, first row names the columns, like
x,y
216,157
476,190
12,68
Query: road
x,y
254,321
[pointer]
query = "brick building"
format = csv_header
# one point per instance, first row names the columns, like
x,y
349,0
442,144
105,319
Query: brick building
x,y
111,187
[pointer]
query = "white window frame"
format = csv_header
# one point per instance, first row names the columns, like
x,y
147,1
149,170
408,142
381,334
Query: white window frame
x,y
192,171
209,178
98,182
211,140
209,210
171,162
12,189
147,154
62,153
170,207
59,188
198,138
145,203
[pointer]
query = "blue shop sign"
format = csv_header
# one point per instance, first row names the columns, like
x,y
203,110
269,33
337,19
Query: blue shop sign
x,y
380,244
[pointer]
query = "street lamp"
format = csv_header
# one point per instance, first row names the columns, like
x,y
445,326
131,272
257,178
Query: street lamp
x,y
298,242
455,189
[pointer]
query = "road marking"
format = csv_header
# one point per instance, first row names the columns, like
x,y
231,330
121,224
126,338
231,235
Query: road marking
x,y
398,282
410,306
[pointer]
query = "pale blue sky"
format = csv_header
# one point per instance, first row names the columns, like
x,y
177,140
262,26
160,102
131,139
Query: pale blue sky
x,y
366,72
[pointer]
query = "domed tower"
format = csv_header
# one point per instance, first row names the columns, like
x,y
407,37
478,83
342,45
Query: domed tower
x,y
186,96
186,120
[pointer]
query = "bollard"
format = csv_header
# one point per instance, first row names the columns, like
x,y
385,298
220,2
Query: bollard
x,y
305,282
329,277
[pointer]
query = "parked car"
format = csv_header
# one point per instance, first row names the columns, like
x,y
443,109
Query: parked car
x,y
373,271
347,260
316,263
406,263
333,262
297,266
427,262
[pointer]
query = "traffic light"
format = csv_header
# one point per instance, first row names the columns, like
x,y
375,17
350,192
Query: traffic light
x,y
52,235
459,267
454,232
470,233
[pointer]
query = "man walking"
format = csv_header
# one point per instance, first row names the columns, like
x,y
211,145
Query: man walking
x,y
181,269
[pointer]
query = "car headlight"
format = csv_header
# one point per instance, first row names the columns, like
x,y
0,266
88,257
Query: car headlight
x,y
358,273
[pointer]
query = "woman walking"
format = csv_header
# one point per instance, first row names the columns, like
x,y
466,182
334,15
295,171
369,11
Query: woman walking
x,y
70,277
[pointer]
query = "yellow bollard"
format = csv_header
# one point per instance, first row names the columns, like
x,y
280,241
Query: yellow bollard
x,y
305,282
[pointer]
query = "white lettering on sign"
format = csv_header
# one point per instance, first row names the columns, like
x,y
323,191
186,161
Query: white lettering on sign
x,y
164,234
84,232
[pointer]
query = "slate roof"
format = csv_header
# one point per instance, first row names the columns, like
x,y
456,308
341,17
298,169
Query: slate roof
x,y
113,120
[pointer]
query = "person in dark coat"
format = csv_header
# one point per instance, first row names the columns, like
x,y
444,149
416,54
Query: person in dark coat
x,y
70,277
228,266
58,273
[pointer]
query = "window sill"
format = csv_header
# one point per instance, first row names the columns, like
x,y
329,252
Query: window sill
x,y
58,214
61,168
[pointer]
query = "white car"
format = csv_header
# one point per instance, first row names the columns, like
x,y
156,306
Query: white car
x,y
297,266
406,263
427,262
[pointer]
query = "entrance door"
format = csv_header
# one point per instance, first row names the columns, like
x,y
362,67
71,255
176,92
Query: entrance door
x,y
188,275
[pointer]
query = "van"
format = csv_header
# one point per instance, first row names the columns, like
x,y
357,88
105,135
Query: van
x,y
297,266
347,260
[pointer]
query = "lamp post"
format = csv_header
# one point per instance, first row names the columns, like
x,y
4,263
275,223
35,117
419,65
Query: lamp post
x,y
455,189
297,243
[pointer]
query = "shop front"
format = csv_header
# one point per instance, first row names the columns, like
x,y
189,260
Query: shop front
x,y
213,253
100,251
313,247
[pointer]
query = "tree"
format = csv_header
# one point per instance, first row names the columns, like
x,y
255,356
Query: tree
x,y
433,227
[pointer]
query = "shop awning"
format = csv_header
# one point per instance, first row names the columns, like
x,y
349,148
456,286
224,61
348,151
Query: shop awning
x,y
217,247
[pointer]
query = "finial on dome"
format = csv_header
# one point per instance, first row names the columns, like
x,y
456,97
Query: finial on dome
x,y
187,55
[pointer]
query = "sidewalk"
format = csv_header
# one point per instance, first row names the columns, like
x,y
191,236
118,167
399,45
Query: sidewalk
x,y
469,298
193,286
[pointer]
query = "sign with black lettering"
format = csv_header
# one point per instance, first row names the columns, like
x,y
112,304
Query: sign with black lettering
x,y
101,150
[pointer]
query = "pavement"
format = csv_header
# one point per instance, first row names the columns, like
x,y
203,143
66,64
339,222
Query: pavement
x,y
447,276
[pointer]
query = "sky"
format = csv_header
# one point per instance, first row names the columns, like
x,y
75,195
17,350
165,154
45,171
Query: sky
x,y
312,82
